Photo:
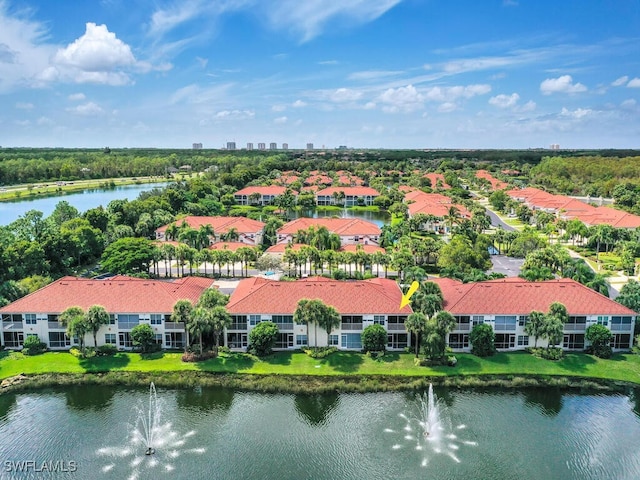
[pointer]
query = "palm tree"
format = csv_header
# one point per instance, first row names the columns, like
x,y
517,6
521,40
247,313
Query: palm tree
x,y
220,319
190,257
201,322
534,326
172,232
255,198
205,234
201,258
181,256
303,314
231,235
169,252
416,324
329,320
95,317
452,216
247,254
74,319
182,312
189,236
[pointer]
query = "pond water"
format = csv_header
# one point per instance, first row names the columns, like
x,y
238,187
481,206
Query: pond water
x,y
223,434
83,201
379,218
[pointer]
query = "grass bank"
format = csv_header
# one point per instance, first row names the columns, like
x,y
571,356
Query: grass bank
x,y
340,371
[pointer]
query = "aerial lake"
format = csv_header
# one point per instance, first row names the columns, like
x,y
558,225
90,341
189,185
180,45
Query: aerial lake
x,y
224,434
84,200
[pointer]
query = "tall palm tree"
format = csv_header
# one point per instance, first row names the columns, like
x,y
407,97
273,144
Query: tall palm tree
x,y
220,319
172,232
74,319
95,317
182,312
416,324
205,234
169,252
201,323
231,235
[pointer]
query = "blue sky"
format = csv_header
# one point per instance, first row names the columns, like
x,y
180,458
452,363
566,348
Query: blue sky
x,y
361,73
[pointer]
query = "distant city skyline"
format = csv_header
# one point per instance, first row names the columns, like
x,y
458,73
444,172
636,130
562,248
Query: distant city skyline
x,y
365,74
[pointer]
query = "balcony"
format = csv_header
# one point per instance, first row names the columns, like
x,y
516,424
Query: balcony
x,y
173,326
285,327
574,327
462,327
55,326
351,326
396,327
12,326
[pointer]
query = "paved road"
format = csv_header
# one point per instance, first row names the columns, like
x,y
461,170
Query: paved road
x,y
496,221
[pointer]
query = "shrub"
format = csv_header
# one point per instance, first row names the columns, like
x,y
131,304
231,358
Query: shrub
x,y
374,338
320,352
107,349
33,345
223,349
142,336
600,338
191,356
482,340
339,274
553,353
262,338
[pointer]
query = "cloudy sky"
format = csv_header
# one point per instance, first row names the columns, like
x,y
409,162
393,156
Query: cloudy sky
x,y
361,73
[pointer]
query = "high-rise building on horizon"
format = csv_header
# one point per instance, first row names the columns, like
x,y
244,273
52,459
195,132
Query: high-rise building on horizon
x,y
285,146
249,146
273,146
262,146
197,146
309,146
231,145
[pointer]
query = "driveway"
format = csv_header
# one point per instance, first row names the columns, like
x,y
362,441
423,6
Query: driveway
x,y
509,266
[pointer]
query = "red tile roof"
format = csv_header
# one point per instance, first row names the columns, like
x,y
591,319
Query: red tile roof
x,y
281,247
434,177
341,226
231,246
375,296
262,189
353,191
365,248
495,183
318,179
516,296
220,224
118,294
432,204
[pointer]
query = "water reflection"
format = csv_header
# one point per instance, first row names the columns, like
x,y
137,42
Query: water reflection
x,y
635,398
89,397
548,401
316,409
7,403
205,399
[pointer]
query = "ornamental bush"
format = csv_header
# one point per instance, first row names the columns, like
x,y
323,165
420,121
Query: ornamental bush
x,y
262,338
33,345
482,340
600,338
374,338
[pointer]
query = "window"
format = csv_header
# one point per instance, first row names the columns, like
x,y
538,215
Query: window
x,y
351,322
505,340
573,341
238,322
505,322
254,320
284,340
459,340
477,319
128,321
112,319
59,340
523,340
576,323
621,323
283,322
352,340
236,340
174,339
156,319
603,320
52,318
301,340
13,339
110,338
397,340
125,339
621,340
157,339
333,340
30,318
378,320
522,320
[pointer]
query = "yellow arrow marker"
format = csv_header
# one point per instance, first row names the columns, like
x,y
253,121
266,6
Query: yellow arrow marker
x,y
405,298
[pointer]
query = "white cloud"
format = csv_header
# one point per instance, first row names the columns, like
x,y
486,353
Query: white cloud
x,y
447,107
88,109
527,107
369,106
563,84
402,99
629,104
635,83
76,97
373,74
342,95
299,104
279,108
504,101
235,115
280,120
620,81
308,18
577,113
329,62
45,121
24,106
450,94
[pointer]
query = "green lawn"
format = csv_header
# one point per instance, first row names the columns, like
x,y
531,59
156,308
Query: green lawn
x,y
624,367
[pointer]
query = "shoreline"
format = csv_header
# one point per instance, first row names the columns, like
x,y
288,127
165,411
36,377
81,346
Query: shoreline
x,y
308,384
